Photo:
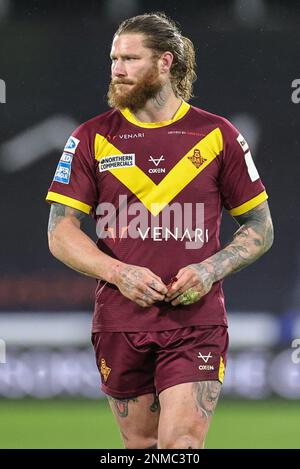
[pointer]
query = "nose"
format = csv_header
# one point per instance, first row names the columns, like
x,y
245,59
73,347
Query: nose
x,y
118,69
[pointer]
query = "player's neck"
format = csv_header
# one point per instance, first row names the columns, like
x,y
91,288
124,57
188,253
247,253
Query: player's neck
x,y
159,109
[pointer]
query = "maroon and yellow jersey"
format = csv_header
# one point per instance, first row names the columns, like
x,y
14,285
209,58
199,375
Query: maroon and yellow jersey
x,y
156,191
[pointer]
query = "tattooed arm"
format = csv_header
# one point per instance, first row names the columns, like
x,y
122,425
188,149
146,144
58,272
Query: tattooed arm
x,y
250,241
69,244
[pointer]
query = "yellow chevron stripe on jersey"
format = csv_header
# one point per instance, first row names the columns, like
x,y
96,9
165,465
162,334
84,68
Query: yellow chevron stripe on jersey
x,y
156,196
69,201
249,205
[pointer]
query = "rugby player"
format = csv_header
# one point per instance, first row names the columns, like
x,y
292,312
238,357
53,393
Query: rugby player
x,y
155,173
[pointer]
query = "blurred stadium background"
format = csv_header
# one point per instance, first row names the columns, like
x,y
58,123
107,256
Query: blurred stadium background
x,y
54,61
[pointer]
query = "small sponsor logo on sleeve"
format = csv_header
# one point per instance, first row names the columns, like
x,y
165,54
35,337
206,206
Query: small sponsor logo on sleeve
x,y
117,162
71,144
66,157
252,171
63,170
243,143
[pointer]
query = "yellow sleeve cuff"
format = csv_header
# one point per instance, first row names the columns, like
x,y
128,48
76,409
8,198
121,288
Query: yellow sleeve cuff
x,y
252,203
63,199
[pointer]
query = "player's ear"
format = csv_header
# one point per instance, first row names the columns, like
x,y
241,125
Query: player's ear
x,y
165,62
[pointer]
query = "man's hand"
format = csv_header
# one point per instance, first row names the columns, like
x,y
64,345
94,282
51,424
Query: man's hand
x,y
193,282
251,241
139,284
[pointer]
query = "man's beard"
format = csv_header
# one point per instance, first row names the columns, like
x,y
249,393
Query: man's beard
x,y
146,88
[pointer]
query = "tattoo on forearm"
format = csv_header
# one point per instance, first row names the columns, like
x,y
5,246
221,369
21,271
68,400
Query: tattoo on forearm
x,y
155,404
121,405
250,241
256,224
206,394
60,211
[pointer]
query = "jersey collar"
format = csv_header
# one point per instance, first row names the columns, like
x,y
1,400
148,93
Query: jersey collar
x,y
181,112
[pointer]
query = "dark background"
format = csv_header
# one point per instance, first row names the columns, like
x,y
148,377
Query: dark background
x,y
54,58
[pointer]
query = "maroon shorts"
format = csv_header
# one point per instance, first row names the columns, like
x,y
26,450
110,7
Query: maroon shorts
x,y
136,363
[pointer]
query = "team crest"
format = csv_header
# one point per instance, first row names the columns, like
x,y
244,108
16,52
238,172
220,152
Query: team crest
x,y
197,159
104,369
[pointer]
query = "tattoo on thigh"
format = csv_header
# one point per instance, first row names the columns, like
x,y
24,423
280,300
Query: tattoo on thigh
x,y
155,404
206,396
121,405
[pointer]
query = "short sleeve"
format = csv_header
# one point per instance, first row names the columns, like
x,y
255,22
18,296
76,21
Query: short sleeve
x,y
74,182
240,184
